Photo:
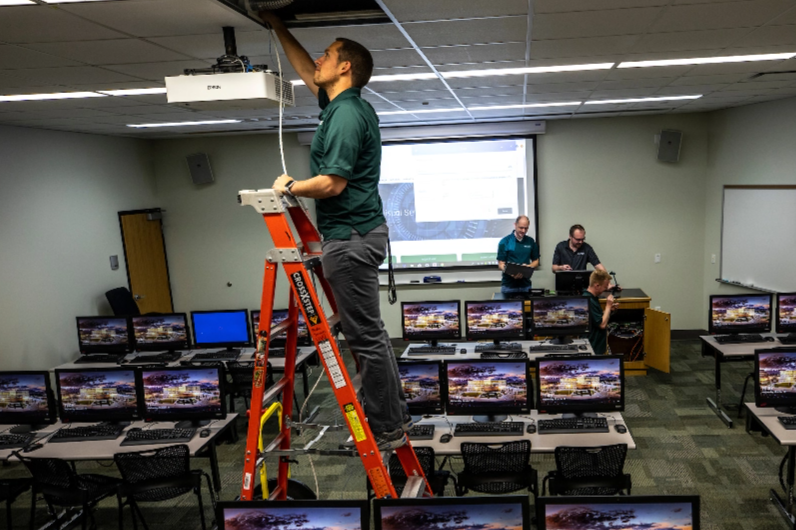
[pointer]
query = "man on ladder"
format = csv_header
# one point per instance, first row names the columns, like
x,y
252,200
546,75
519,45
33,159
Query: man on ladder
x,y
345,158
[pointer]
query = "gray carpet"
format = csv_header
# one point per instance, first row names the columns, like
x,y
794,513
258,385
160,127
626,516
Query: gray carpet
x,y
683,448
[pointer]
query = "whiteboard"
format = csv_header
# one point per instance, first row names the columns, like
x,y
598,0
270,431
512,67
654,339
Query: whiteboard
x,y
758,236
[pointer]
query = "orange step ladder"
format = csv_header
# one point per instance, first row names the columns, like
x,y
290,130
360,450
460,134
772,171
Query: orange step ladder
x,y
298,259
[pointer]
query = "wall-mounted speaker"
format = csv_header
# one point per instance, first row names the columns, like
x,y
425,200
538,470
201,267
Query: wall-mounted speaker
x,y
199,166
669,146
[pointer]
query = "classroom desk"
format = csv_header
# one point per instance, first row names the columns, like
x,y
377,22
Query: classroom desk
x,y
730,353
470,353
765,420
105,449
540,443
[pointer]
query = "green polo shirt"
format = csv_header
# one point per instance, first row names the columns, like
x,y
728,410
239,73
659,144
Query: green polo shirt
x,y
513,251
598,338
348,144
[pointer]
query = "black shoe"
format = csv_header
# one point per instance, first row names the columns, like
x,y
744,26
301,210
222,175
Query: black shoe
x,y
387,441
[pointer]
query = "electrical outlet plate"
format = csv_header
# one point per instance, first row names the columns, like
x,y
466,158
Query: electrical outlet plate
x,y
657,258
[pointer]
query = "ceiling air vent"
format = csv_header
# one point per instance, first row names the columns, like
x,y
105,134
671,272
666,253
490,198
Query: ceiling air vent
x,y
318,13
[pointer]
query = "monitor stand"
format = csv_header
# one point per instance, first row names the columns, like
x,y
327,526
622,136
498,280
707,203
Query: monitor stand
x,y
562,340
26,429
229,349
786,410
490,418
188,424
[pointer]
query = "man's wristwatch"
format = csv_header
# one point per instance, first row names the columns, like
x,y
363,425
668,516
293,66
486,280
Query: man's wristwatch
x,y
288,186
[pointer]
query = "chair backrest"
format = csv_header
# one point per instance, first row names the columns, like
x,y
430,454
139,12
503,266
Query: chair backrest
x,y
509,457
590,462
141,466
425,455
122,302
51,472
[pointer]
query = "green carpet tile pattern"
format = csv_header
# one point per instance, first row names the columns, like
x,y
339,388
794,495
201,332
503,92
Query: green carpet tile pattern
x,y
682,448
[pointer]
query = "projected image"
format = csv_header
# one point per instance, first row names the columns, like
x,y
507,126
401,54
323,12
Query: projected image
x,y
777,374
431,318
735,313
560,313
292,518
494,516
572,381
102,331
483,382
194,390
787,311
420,383
23,393
636,516
160,329
104,391
489,319
465,227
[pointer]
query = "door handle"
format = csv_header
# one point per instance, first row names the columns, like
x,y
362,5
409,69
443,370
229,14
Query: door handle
x,y
138,296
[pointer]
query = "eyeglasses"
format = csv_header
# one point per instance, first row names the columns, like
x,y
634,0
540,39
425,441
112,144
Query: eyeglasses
x,y
581,240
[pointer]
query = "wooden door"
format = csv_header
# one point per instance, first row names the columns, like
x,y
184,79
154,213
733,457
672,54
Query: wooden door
x,y
657,339
145,255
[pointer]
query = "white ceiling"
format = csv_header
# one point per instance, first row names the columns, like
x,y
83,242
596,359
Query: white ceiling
x,y
136,43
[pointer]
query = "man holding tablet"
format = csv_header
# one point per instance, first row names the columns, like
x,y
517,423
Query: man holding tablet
x,y
517,248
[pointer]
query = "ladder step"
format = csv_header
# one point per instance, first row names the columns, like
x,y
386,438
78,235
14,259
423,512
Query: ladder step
x,y
415,487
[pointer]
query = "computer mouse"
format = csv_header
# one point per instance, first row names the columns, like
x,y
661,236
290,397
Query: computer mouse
x,y
204,433
135,429
583,347
621,429
463,350
531,428
770,339
445,438
32,447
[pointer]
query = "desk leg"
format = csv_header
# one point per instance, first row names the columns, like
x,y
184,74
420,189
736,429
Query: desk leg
x,y
716,406
786,508
214,472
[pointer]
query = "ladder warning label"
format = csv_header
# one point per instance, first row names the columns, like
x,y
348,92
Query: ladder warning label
x,y
247,481
332,367
378,481
304,296
258,377
353,420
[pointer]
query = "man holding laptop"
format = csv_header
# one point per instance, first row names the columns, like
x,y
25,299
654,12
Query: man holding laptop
x,y
517,248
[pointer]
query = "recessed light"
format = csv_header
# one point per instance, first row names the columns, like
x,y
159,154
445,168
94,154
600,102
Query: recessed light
x,y
16,2
133,91
640,100
57,95
180,123
708,60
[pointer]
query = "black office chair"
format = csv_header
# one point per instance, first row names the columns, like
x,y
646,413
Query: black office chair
x,y
154,476
497,468
10,489
62,486
241,375
122,302
589,471
437,478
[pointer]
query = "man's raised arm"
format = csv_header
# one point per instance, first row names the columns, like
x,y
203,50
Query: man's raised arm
x,y
296,54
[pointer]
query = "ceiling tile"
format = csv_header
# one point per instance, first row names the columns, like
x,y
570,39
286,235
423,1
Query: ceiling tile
x,y
13,57
505,29
621,94
211,46
108,52
394,58
157,71
769,36
697,17
373,37
566,6
45,24
620,84
690,41
63,76
485,53
407,10
708,79
593,23
586,47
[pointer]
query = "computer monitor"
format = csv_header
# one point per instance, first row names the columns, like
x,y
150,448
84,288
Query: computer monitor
x,y
495,320
740,313
560,316
97,395
277,316
488,389
293,514
572,282
626,512
26,400
775,379
422,385
580,385
431,321
504,512
221,329
192,396
104,335
167,332
786,313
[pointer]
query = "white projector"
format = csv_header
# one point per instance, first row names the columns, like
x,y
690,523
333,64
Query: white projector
x,y
249,90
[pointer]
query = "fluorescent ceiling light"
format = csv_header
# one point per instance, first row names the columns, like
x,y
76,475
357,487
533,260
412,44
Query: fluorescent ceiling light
x,y
421,111
133,91
529,105
522,71
15,2
640,100
180,123
708,60
58,95
69,1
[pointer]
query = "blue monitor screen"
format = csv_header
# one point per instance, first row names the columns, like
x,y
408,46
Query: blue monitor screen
x,y
220,328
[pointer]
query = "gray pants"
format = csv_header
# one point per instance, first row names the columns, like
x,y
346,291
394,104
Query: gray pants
x,y
352,268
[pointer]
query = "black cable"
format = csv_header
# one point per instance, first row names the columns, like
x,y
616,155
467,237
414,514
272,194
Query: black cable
x,y
392,295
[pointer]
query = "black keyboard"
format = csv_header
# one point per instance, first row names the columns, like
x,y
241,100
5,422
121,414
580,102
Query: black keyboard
x,y
11,441
502,428
432,350
216,356
554,347
276,352
165,357
586,425
740,339
101,431
788,339
789,422
421,432
504,355
516,346
157,436
100,358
